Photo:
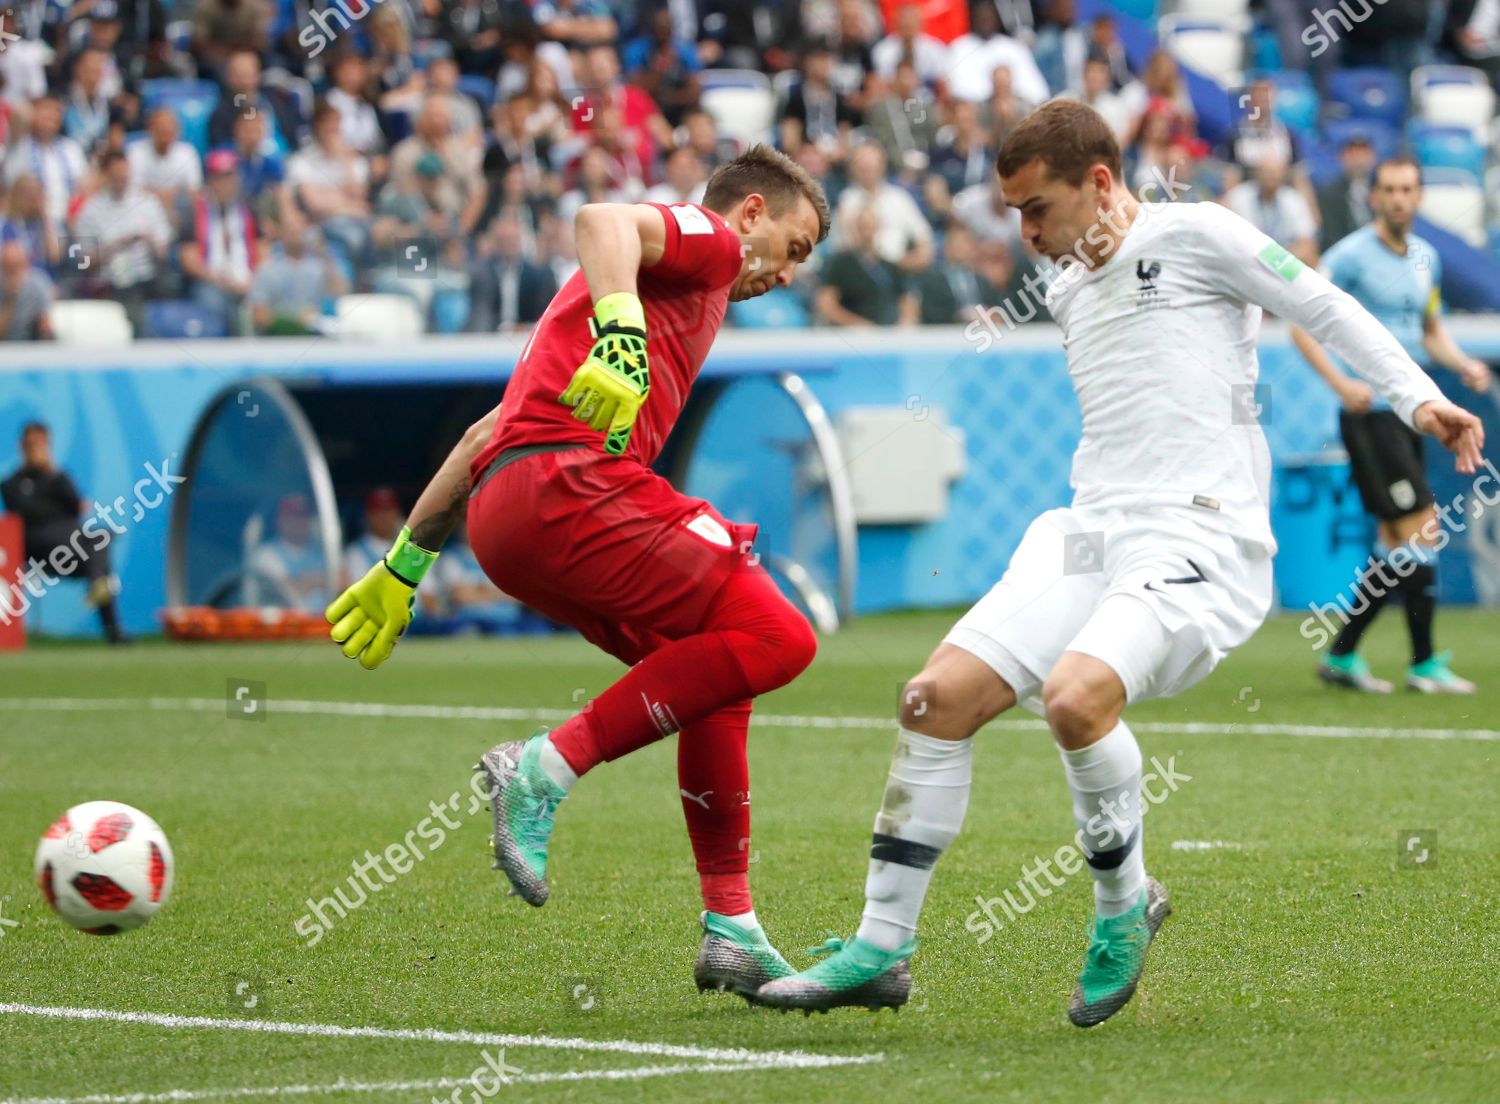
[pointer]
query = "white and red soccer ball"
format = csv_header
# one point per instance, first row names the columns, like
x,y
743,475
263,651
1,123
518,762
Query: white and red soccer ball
x,y
104,867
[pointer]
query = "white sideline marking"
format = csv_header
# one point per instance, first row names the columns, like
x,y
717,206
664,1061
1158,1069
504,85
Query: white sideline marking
x,y
765,720
172,1096
1206,845
777,1059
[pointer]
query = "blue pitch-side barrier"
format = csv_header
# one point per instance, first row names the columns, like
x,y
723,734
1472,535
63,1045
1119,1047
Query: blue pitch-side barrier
x,y
114,413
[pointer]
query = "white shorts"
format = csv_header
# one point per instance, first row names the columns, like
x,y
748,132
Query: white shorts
x,y
1157,596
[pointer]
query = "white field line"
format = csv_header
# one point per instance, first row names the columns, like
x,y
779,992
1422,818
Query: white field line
x,y
634,1073
492,714
771,1059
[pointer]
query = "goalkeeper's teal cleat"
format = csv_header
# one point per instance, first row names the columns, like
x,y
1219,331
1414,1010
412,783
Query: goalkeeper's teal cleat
x,y
1351,671
854,973
1116,957
1434,676
524,801
733,958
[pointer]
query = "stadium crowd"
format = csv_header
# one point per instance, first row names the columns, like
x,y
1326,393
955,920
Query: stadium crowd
x,y
247,164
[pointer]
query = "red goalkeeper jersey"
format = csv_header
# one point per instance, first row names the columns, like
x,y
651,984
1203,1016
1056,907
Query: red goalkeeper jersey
x,y
684,294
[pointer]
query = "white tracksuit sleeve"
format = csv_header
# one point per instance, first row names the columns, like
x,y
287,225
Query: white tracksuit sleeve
x,y
1247,265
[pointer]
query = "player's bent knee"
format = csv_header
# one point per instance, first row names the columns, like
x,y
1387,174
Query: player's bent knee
x,y
776,651
1080,709
941,703
1069,706
796,645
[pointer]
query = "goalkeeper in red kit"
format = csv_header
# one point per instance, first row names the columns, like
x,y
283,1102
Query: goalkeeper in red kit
x,y
566,515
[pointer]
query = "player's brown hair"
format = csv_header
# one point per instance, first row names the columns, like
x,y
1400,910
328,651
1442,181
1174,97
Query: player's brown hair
x,y
768,172
1067,136
1397,161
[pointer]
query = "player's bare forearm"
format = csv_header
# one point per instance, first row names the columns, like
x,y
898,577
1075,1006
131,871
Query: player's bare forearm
x,y
614,241
1444,350
442,505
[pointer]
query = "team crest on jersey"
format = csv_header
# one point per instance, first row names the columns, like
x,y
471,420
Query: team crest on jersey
x,y
691,220
1149,295
710,530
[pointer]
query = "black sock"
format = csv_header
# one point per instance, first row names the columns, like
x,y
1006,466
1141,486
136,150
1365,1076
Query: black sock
x,y
1369,595
1419,594
110,620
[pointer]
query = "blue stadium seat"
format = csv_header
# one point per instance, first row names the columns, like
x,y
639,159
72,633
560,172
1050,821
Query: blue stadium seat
x,y
1369,94
449,312
1321,163
193,101
1296,99
1446,147
1265,50
776,309
1144,10
480,87
183,318
1383,139
425,49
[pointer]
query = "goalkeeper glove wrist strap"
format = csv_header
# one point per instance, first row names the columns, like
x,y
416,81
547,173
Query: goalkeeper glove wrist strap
x,y
621,310
407,561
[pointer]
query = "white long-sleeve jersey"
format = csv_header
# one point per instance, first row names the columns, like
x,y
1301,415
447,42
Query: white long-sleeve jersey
x,y
1161,347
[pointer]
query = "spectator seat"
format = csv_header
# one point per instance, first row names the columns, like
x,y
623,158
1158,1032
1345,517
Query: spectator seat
x,y
1214,48
478,86
90,322
183,318
1368,93
1447,147
777,309
193,102
1452,200
1454,95
1384,140
377,318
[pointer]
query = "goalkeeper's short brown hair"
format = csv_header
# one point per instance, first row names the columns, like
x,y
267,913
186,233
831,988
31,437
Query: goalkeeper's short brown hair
x,y
773,174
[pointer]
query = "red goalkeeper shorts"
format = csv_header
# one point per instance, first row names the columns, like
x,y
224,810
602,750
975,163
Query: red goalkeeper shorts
x,y
604,545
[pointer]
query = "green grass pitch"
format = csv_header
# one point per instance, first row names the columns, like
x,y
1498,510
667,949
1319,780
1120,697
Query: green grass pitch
x,y
1308,958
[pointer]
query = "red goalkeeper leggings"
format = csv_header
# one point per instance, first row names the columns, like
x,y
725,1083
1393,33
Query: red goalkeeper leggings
x,y
663,582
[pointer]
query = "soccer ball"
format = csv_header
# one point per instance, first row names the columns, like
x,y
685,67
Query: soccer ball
x,y
104,867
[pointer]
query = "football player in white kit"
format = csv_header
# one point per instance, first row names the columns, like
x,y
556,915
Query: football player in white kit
x,y
1159,568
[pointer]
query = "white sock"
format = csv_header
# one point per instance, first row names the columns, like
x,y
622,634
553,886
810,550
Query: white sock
x,y
926,795
746,920
1105,779
555,767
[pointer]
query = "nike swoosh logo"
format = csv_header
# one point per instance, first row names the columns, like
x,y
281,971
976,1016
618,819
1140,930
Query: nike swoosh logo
x,y
1198,577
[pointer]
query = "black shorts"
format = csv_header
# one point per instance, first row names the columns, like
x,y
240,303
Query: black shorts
x,y
1386,459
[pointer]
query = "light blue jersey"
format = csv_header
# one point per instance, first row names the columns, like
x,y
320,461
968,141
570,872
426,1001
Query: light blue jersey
x,y
1400,291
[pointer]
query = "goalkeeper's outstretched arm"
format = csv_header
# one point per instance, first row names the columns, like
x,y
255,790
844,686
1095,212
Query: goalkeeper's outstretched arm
x,y
441,506
372,615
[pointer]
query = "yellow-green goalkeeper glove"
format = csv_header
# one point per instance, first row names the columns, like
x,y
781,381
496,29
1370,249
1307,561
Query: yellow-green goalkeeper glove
x,y
374,613
611,386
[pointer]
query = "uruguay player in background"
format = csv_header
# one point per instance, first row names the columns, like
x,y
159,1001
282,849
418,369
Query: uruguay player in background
x,y
1396,276
1159,568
